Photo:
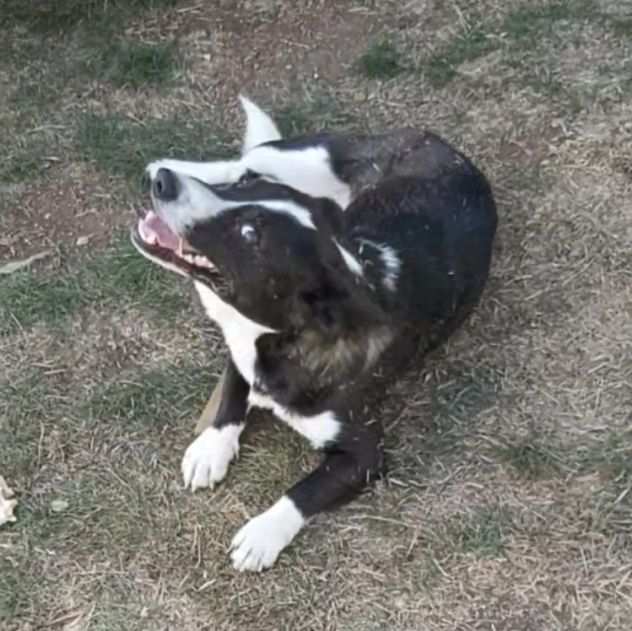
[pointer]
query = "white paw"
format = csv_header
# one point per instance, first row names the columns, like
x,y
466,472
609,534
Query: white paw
x,y
258,544
206,459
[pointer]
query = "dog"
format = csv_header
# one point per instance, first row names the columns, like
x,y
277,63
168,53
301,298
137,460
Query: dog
x,y
329,262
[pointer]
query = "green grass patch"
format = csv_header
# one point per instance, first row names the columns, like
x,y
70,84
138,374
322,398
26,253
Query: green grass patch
x,y
27,298
127,63
441,67
123,147
16,585
158,396
530,458
622,27
611,457
118,275
382,60
528,21
481,533
522,30
314,113
465,394
27,158
62,15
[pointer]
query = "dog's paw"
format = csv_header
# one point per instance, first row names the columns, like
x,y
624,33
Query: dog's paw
x,y
258,544
206,460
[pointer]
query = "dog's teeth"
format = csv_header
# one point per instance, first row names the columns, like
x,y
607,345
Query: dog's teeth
x,y
179,250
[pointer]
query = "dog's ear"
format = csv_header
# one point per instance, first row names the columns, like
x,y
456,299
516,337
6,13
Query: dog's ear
x,y
260,127
336,307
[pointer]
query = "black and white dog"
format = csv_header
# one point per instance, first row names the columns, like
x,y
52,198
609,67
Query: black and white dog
x,y
328,262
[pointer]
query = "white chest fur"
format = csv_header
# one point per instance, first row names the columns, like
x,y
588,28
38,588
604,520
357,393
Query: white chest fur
x,y
240,332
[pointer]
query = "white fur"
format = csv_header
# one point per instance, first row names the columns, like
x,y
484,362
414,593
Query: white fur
x,y
352,262
240,332
302,215
260,127
307,170
206,460
319,429
392,265
391,260
257,545
197,203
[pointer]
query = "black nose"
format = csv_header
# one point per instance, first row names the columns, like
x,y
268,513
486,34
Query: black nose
x,y
165,185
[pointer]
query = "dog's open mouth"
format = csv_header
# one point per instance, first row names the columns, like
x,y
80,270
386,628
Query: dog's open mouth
x,y
155,237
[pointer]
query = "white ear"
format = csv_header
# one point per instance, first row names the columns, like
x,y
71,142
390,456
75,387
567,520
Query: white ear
x,y
259,126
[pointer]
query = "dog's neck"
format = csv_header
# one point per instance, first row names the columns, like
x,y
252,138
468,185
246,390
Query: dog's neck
x,y
300,368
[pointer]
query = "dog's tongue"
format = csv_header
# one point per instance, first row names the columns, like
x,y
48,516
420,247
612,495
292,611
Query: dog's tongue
x,y
155,231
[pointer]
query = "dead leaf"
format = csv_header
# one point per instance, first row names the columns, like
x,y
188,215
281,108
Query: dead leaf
x,y
14,266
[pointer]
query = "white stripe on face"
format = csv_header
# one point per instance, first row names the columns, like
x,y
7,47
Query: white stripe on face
x,y
197,203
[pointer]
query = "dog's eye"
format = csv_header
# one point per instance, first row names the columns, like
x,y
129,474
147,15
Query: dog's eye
x,y
249,233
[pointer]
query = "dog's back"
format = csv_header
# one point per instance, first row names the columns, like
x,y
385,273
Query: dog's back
x,y
422,219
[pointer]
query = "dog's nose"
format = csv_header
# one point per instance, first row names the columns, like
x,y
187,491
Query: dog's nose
x,y
165,185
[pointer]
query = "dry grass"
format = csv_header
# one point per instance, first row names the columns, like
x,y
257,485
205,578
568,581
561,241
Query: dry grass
x,y
508,505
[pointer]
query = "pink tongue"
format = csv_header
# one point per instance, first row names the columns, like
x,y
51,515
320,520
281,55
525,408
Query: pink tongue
x,y
154,230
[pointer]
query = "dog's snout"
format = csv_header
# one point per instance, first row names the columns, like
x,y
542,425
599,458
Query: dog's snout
x,y
165,185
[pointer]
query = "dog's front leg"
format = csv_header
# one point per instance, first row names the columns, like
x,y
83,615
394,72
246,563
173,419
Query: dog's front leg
x,y
347,468
206,460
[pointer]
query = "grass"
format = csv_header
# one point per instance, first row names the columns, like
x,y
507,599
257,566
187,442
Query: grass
x,y
121,146
118,276
530,457
482,533
58,17
27,158
465,394
611,457
509,450
526,28
441,67
531,21
149,398
382,60
43,129
15,586
319,110
126,63
622,27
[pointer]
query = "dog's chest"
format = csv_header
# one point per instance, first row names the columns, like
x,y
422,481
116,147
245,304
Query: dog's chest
x,y
241,335
240,332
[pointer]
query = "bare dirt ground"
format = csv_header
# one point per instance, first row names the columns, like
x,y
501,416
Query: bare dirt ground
x,y
508,504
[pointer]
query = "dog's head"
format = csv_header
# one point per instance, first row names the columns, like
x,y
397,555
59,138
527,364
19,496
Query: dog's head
x,y
266,249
